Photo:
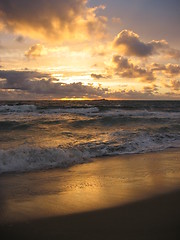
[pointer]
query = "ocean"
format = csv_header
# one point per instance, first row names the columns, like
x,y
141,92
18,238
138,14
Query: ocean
x,y
39,135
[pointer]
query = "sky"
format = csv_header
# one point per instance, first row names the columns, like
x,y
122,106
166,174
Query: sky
x,y
79,49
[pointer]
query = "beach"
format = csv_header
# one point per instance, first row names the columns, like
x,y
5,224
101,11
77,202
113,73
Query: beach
x,y
122,197
89,120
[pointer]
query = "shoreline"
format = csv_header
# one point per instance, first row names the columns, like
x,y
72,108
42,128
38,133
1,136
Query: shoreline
x,y
171,149
131,196
154,218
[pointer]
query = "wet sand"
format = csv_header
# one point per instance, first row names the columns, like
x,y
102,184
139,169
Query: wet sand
x,y
153,219
124,197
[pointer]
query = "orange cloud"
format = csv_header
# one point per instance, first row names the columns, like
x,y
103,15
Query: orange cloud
x,y
36,51
116,20
124,68
169,69
54,20
175,84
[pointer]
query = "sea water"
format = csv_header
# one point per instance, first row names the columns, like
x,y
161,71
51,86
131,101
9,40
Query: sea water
x,y
37,135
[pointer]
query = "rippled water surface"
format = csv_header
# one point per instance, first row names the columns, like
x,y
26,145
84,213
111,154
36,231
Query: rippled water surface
x,y
46,134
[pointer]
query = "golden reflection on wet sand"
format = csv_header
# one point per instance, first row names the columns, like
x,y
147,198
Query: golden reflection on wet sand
x,y
103,183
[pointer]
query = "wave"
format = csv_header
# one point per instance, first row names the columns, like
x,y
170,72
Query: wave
x,y
30,158
114,112
47,110
137,113
14,125
17,108
84,111
27,158
88,111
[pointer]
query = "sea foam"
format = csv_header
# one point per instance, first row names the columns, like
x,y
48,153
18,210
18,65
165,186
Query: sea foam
x,y
26,158
17,108
30,158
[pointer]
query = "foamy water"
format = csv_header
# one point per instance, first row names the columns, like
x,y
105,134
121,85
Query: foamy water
x,y
46,134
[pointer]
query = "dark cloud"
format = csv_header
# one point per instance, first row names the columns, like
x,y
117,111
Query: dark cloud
x,y
148,93
29,85
134,95
100,76
124,68
170,69
53,20
36,83
97,76
19,39
129,44
16,79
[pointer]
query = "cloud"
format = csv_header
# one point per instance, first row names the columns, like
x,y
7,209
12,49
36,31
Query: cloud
x,y
35,51
124,68
24,85
154,89
116,20
128,43
170,69
175,85
19,39
13,79
44,86
54,20
36,85
97,76
1,46
100,76
172,96
135,95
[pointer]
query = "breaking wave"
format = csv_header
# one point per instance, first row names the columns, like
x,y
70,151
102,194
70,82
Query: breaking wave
x,y
17,108
37,135
26,158
89,111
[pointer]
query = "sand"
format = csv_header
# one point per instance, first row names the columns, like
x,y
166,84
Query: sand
x,y
124,197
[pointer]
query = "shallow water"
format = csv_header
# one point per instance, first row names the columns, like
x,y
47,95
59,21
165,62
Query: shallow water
x,y
104,183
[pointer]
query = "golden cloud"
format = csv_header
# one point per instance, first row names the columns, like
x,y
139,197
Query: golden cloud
x,y
175,84
169,69
36,85
36,51
54,20
126,69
